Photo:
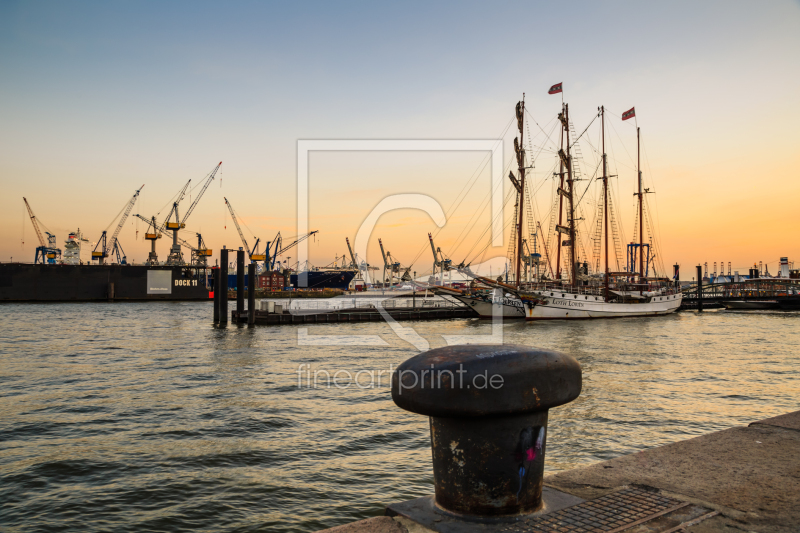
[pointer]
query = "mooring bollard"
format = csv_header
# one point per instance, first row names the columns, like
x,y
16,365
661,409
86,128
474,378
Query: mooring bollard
x,y
488,408
223,282
251,293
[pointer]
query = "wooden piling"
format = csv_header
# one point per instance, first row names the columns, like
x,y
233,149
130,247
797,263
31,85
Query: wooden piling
x,y
700,288
223,286
217,293
251,293
240,281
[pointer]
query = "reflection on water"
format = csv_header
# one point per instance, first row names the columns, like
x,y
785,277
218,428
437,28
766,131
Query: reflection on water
x,y
144,416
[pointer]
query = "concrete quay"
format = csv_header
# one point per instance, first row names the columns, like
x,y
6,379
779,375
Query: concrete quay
x,y
738,479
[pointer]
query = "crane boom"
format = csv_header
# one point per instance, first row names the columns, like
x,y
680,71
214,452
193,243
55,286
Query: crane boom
x,y
352,255
153,225
433,249
47,248
151,222
236,223
187,244
301,239
35,223
122,220
200,194
385,261
275,244
174,209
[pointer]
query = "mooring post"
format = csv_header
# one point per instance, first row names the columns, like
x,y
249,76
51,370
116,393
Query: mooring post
x,y
251,293
699,287
217,289
488,409
240,281
223,286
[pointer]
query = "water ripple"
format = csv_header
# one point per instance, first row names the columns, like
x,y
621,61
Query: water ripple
x,y
138,416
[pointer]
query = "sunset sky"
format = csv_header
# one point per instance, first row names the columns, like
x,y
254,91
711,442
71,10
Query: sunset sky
x,y
97,98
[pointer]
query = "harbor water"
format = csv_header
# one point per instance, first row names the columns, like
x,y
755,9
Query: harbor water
x,y
144,417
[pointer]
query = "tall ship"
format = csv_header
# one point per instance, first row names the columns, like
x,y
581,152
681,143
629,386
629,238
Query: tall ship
x,y
577,287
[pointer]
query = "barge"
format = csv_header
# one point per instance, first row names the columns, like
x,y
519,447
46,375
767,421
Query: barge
x,y
25,282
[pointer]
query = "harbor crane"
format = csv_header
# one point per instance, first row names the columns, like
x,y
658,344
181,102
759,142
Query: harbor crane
x,y
156,234
254,255
152,234
106,248
199,253
46,251
439,260
275,245
387,265
119,253
354,264
175,256
393,266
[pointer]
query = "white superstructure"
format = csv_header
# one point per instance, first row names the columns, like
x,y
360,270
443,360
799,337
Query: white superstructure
x,y
77,250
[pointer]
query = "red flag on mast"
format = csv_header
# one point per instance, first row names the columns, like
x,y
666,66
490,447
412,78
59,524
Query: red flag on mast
x,y
555,88
630,113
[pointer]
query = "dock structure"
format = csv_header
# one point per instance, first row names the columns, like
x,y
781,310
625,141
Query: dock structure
x,y
363,312
700,295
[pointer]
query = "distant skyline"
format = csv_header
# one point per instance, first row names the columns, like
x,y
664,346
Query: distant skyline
x,y
98,98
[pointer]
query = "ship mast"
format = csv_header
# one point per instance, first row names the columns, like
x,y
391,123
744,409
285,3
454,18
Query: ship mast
x,y
521,163
605,191
560,195
641,209
571,198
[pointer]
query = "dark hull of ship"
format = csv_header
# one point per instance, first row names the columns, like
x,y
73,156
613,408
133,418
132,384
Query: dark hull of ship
x,y
20,282
785,303
323,279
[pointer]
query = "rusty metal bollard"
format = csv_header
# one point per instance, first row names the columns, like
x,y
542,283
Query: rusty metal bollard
x,y
488,408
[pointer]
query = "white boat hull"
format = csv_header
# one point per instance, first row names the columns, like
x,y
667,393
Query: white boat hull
x,y
580,306
505,307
